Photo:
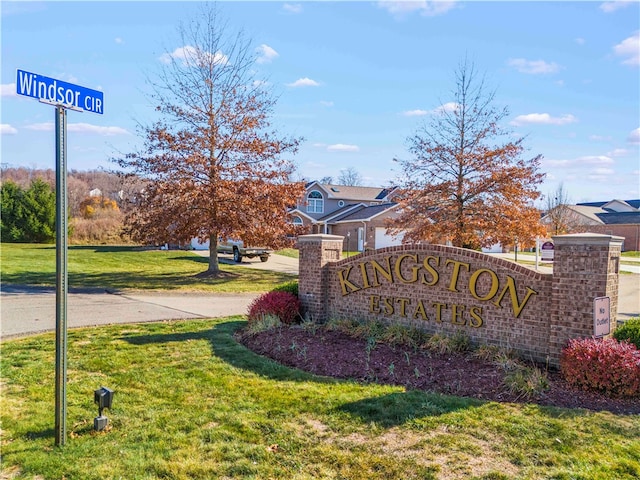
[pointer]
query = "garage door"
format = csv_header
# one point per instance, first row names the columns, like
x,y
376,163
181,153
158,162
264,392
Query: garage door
x,y
384,240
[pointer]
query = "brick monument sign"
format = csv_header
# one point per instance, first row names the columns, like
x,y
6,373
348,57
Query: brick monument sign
x,y
444,289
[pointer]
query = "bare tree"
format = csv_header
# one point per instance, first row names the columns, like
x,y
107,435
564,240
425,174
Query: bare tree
x,y
215,167
467,182
326,180
559,217
350,177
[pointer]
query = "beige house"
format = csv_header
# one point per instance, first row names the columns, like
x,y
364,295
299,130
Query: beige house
x,y
357,213
616,217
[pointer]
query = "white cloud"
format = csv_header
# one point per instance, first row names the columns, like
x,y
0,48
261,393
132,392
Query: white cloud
x,y
415,113
304,82
119,40
8,90
260,83
80,128
447,107
602,171
533,67
400,9
266,54
608,7
595,160
634,137
326,103
599,161
580,41
340,147
618,152
192,56
6,129
292,8
629,49
543,119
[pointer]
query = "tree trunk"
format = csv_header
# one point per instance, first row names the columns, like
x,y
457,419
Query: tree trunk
x,y
214,266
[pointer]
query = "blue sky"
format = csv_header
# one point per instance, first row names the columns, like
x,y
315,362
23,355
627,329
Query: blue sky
x,y
355,79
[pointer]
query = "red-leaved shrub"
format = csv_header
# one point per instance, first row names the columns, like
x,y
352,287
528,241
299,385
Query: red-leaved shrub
x,y
284,305
603,365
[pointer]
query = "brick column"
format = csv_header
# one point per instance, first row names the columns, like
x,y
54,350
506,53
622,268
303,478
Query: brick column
x,y
316,251
585,266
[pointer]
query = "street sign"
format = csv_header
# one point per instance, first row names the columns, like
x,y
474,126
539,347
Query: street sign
x,y
601,316
56,92
64,96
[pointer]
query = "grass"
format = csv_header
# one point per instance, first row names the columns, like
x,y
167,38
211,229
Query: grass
x,y
129,267
289,252
191,403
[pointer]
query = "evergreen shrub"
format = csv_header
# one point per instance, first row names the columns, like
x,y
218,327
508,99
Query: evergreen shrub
x,y
629,331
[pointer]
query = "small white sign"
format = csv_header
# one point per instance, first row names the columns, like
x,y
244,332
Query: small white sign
x,y
546,252
601,316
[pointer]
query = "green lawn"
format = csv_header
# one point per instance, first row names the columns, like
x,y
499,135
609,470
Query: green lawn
x,y
191,403
128,267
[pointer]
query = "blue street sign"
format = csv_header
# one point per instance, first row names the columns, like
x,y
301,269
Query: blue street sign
x,y
57,92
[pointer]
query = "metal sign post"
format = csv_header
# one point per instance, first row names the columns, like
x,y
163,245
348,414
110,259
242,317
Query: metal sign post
x,y
63,96
61,275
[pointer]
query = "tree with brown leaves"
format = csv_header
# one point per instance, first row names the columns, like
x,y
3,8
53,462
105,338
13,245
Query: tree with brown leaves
x,y
216,168
467,183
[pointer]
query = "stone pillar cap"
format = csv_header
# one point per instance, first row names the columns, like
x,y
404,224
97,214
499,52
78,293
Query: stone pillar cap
x,y
318,237
586,239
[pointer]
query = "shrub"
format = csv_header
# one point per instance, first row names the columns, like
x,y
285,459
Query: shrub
x,y
283,305
291,287
441,343
526,382
266,323
629,331
398,334
604,365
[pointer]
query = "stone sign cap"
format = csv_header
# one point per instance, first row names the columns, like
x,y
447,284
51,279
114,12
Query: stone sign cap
x,y
586,239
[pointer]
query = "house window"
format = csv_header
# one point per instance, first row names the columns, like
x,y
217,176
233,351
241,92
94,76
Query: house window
x,y
297,221
315,202
341,203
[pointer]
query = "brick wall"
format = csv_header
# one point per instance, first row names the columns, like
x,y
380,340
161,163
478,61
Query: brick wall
x,y
448,289
630,232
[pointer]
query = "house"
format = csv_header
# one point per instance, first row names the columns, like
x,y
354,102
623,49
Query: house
x,y
615,217
356,213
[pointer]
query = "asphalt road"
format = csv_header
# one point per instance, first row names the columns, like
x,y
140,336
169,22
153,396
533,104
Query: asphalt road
x,y
27,310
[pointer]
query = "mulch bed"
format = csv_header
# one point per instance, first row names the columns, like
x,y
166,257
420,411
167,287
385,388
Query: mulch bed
x,y
335,354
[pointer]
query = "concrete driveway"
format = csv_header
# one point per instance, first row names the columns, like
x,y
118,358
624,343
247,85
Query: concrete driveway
x,y
277,263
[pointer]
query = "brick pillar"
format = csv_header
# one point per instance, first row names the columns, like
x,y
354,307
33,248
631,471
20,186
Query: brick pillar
x,y
316,251
585,266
